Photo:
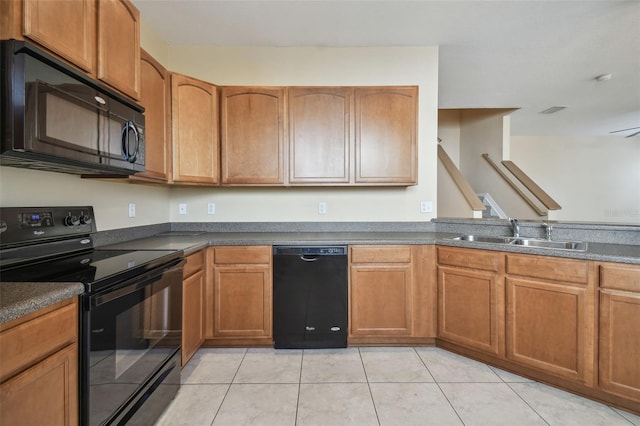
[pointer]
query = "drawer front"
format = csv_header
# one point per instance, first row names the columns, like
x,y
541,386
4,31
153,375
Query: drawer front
x,y
620,277
195,263
29,342
380,254
469,258
551,268
242,255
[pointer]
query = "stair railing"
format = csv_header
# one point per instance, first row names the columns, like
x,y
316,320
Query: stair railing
x,y
463,185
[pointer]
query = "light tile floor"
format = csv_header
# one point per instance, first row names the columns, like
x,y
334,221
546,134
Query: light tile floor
x,y
370,386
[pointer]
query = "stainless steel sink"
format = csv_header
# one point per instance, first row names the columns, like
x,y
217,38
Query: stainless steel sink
x,y
560,245
525,242
483,239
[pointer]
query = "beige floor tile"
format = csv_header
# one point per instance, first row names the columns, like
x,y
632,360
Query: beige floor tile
x,y
270,366
394,365
194,405
562,408
449,367
213,366
508,377
633,418
332,365
409,404
336,404
259,405
489,404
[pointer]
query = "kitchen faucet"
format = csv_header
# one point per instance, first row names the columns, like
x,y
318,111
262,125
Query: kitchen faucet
x,y
548,228
515,226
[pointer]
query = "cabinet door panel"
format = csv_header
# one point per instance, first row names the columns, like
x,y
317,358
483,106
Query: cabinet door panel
x,y
242,305
252,136
381,300
194,120
468,308
320,135
192,315
67,28
386,135
620,343
546,326
119,45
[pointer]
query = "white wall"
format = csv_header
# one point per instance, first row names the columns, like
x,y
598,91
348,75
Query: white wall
x,y
317,66
594,179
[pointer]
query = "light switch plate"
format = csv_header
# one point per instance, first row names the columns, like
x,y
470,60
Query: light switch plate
x,y
132,210
211,208
322,208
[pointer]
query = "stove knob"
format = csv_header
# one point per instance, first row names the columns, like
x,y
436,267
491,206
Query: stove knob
x,y
85,219
71,221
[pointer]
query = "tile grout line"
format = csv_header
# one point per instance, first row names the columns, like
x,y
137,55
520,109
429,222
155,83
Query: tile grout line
x,y
524,400
229,387
375,409
295,421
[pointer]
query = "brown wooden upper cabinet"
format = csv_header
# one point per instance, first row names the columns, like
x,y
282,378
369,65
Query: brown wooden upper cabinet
x,y
252,136
320,135
194,123
386,135
155,98
100,37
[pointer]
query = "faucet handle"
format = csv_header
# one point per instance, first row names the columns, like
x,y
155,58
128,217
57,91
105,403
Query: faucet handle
x,y
548,228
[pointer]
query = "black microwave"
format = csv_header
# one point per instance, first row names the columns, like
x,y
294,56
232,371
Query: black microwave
x,y
57,119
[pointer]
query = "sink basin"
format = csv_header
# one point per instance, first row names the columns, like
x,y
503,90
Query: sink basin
x,y
525,242
483,239
561,245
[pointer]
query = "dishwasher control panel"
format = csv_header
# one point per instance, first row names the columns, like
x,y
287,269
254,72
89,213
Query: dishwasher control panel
x,y
310,250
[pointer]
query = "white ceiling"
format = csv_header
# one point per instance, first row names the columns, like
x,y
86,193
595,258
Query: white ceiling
x,y
493,54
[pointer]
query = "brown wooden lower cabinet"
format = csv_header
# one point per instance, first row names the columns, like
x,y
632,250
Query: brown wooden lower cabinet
x,y
241,296
39,368
193,286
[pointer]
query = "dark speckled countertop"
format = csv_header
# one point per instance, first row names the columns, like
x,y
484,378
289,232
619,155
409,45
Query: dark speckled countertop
x,y
17,299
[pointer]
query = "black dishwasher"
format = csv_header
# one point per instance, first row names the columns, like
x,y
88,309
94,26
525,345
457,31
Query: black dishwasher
x,y
310,297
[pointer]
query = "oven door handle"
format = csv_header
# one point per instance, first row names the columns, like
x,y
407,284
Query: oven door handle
x,y
137,283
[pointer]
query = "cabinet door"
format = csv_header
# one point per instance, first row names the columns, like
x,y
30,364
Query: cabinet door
x,y
386,135
67,28
468,308
194,121
45,394
547,327
620,343
242,295
192,315
119,46
320,134
154,97
252,136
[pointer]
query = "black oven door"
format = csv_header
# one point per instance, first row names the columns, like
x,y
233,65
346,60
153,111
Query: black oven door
x,y
131,333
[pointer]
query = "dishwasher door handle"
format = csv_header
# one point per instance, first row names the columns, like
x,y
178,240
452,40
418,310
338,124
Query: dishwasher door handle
x,y
309,259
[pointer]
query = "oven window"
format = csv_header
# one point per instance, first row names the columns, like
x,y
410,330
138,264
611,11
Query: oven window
x,y
131,337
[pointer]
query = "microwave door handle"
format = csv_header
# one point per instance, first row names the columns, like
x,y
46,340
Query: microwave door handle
x,y
127,128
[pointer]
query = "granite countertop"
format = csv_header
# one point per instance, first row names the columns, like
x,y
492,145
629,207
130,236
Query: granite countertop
x,y
17,299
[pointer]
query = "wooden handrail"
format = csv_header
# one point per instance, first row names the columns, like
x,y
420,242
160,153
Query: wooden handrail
x,y
538,192
467,191
514,186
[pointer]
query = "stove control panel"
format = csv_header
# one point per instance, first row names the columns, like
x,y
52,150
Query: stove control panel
x,y
25,224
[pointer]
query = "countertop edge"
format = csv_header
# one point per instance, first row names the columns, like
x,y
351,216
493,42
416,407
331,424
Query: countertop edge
x,y
20,299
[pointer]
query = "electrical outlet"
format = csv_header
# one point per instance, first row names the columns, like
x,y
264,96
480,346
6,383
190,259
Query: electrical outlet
x,y
211,208
182,208
322,208
426,206
132,210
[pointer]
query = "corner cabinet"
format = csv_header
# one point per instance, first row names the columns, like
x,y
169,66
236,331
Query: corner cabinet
x,y
619,360
391,294
39,369
471,298
252,135
386,135
240,301
194,131
193,291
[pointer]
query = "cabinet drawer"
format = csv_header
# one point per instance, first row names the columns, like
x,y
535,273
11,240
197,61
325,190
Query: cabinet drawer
x,y
377,254
242,255
468,258
195,263
620,277
29,342
552,268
